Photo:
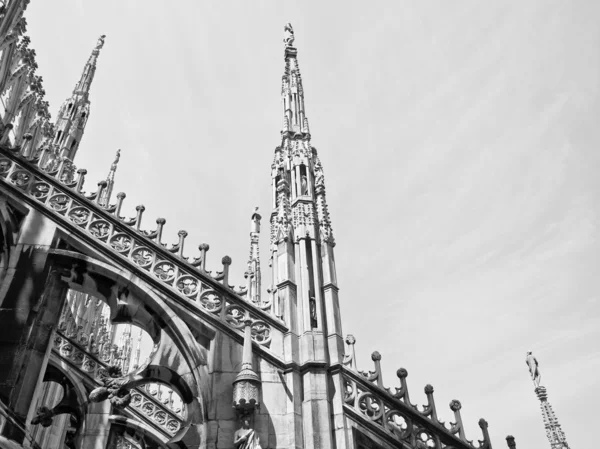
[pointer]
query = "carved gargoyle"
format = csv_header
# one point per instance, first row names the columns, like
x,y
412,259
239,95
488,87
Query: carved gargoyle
x,y
114,388
44,417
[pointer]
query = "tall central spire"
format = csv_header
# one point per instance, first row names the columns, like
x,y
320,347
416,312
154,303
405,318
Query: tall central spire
x,y
304,293
74,113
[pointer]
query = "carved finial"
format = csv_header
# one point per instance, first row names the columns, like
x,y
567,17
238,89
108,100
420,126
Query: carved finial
x,y
510,441
288,35
428,389
120,197
376,356
201,261
402,373
246,386
80,179
160,222
485,443
226,260
455,405
101,186
182,235
350,339
457,426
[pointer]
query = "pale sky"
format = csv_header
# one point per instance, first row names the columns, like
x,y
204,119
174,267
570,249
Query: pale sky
x,y
460,144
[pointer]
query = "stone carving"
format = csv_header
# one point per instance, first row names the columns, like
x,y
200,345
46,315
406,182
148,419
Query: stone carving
x,y
44,417
304,185
142,399
288,35
100,42
319,178
534,369
114,388
245,437
139,246
313,312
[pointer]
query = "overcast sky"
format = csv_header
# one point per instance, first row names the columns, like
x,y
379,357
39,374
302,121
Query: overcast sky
x,y
461,150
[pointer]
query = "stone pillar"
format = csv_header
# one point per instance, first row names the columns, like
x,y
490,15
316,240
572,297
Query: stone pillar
x,y
96,426
31,297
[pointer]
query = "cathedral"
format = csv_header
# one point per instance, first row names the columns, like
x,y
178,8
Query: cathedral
x,y
113,339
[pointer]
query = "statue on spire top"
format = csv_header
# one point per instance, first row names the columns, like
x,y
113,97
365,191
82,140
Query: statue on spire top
x,y
100,42
534,370
288,35
116,161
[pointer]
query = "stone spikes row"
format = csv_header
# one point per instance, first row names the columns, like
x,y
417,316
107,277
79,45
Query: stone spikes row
x,y
67,173
429,410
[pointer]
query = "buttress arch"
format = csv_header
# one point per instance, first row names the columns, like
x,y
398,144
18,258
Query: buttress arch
x,y
180,360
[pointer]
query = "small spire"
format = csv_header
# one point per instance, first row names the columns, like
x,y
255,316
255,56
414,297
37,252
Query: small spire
x,y
253,274
246,386
110,181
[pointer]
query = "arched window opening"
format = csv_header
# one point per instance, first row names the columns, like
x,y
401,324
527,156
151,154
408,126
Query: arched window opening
x,y
85,321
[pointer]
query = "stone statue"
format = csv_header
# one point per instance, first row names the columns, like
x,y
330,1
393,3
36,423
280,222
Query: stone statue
x,y
255,227
534,370
288,35
100,42
113,167
245,437
304,185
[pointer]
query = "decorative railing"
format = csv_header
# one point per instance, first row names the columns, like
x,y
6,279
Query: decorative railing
x,y
393,416
53,184
142,403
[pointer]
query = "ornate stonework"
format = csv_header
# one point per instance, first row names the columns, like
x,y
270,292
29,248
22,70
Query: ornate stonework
x,y
229,366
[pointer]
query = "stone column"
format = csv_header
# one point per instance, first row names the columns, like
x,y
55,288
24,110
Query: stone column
x,y
31,297
96,426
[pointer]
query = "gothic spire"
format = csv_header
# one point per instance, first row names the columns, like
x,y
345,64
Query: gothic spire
x,y
110,181
292,93
253,274
74,112
554,432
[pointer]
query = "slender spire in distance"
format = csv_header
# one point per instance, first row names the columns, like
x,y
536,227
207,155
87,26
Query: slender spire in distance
x,y
253,273
554,432
110,181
